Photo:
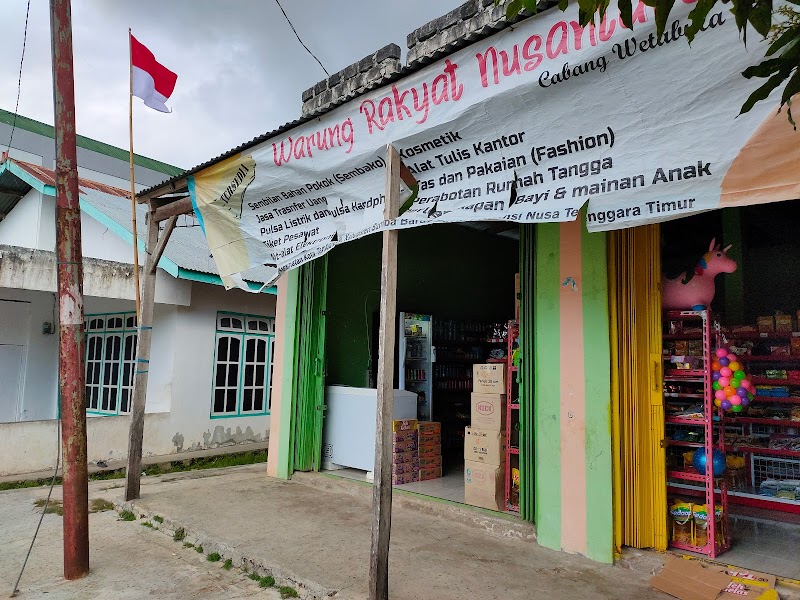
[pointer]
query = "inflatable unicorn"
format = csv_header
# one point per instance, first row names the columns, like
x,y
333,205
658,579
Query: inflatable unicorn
x,y
695,290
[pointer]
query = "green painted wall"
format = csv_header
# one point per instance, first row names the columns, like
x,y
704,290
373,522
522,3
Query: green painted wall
x,y
445,270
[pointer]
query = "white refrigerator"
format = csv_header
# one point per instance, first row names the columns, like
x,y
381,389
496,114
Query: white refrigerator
x,y
416,356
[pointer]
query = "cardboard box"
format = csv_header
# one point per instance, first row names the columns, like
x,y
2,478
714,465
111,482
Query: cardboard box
x,y
517,297
404,436
489,378
693,580
783,323
405,425
430,461
430,473
488,411
404,467
431,439
429,427
404,446
765,324
425,451
483,485
405,457
484,446
401,478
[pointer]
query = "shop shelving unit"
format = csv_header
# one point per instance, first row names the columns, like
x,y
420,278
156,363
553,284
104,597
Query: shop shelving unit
x,y
766,462
713,490
512,416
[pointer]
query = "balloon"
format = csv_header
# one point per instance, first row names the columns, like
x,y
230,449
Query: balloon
x,y
724,381
726,404
741,392
722,352
715,376
729,391
736,408
724,361
732,357
720,395
735,400
745,401
725,372
735,366
715,366
699,461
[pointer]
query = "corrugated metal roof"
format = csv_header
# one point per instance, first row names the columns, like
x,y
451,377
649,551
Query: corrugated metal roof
x,y
187,249
89,144
11,190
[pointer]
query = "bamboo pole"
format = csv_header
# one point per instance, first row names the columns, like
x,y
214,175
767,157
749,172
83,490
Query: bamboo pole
x,y
133,184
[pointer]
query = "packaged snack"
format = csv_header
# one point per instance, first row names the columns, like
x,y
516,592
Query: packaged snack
x,y
766,324
783,323
405,457
426,427
681,513
430,473
404,436
700,517
430,461
404,446
405,425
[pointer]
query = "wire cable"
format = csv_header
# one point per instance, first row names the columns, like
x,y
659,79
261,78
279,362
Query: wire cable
x,y
19,80
298,38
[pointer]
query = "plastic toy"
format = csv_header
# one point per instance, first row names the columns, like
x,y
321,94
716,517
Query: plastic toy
x,y
732,390
695,290
718,461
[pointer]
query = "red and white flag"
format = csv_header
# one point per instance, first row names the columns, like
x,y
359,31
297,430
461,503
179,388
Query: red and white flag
x,y
152,81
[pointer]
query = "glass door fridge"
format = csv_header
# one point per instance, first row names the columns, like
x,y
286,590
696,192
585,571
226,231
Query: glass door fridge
x,y
416,357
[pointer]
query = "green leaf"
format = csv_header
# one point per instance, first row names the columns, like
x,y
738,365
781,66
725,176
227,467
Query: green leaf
x,y
741,11
563,5
790,35
513,9
586,8
763,69
792,88
761,17
530,5
762,93
626,13
698,17
663,8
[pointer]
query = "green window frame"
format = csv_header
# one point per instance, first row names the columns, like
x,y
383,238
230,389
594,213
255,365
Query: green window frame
x,y
111,340
241,381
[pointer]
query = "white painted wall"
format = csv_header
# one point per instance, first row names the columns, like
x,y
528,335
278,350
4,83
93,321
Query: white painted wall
x,y
21,226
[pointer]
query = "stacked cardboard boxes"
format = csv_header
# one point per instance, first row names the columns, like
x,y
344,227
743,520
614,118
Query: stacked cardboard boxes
x,y
485,439
405,455
430,450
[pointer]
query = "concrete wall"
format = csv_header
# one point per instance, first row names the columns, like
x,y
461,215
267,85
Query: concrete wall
x,y
179,387
21,227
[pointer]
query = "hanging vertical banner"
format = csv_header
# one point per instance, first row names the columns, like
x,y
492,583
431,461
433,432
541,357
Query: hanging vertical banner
x,y
643,129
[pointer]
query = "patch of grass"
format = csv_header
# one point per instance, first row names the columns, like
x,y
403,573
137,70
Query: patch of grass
x,y
213,557
266,582
105,475
18,485
198,549
100,505
127,515
147,524
188,545
152,470
254,577
158,519
288,592
179,535
54,507
228,564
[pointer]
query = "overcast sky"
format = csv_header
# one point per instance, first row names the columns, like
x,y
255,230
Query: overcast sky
x,y
240,69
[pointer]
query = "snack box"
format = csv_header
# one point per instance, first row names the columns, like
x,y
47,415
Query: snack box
x,y
425,451
489,378
404,446
488,411
430,439
405,457
430,473
765,324
484,446
429,427
426,462
404,436
405,425
401,478
406,467
783,323
483,485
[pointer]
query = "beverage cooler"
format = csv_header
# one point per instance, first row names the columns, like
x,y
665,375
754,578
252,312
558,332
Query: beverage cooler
x,y
416,357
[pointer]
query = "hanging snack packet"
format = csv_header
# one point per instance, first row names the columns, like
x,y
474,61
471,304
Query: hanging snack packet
x,y
700,515
681,513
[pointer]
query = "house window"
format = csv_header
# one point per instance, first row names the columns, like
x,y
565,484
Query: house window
x,y
110,362
242,384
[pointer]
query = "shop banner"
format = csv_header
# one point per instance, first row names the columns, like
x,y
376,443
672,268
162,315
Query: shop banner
x,y
527,126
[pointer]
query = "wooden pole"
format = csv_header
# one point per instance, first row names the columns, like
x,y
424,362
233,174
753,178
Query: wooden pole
x,y
71,344
133,474
382,492
133,184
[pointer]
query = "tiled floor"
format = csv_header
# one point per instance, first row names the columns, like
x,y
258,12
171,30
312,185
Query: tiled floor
x,y
450,487
763,545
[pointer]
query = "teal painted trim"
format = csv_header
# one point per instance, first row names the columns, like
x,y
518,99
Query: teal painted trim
x,y
547,386
47,190
597,373
191,185
216,280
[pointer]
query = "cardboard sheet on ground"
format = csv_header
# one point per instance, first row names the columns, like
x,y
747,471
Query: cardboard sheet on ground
x,y
693,580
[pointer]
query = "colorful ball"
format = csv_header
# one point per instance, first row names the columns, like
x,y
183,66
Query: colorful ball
x,y
736,408
735,400
699,461
735,366
724,362
732,356
725,404
720,395
745,401
739,375
741,392
724,381
725,372
715,375
715,366
716,385
722,352
717,402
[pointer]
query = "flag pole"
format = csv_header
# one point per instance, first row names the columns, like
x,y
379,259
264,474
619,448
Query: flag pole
x,y
133,185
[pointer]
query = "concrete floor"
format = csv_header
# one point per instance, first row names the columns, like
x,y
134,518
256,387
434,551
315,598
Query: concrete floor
x,y
319,539
127,561
449,487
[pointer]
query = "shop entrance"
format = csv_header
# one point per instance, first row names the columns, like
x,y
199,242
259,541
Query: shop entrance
x,y
456,292
754,429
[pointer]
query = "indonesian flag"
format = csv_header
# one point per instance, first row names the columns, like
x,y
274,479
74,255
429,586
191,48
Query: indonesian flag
x,y
152,81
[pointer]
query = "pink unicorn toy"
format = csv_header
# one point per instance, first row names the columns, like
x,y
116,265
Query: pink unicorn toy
x,y
695,290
